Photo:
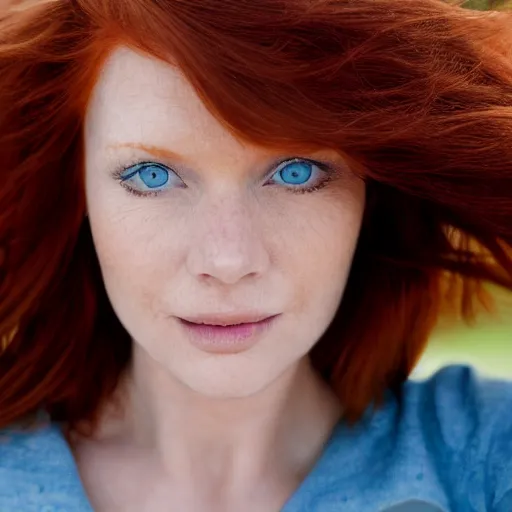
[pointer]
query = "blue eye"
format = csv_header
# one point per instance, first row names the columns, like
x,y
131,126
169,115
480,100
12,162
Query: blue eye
x,y
147,177
301,175
154,176
151,178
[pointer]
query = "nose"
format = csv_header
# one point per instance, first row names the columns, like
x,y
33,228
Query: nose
x,y
228,244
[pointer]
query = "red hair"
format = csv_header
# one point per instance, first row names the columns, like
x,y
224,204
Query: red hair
x,y
417,94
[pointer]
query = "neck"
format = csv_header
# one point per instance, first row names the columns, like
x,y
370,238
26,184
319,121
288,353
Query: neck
x,y
278,432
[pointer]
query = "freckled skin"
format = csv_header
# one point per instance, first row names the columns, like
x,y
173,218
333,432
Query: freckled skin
x,y
226,242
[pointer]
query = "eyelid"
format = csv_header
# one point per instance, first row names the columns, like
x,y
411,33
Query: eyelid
x,y
124,165
126,169
131,170
288,161
323,165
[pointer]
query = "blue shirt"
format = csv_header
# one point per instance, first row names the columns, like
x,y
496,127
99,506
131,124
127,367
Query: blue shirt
x,y
444,445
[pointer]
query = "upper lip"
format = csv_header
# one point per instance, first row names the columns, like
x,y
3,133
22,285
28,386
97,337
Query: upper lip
x,y
227,319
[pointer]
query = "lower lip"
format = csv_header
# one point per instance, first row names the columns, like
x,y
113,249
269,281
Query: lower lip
x,y
232,339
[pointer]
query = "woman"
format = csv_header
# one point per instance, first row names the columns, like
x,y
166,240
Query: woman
x,y
227,230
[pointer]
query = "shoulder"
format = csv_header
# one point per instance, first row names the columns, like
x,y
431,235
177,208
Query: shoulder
x,y
37,470
458,398
460,406
465,423
440,444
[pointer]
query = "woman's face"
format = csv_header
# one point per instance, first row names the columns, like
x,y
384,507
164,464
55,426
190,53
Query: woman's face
x,y
191,223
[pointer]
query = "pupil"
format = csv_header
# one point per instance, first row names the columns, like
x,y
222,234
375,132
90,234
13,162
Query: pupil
x,y
296,172
153,176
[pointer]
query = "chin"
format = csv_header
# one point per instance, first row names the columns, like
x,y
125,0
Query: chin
x,y
227,390
228,384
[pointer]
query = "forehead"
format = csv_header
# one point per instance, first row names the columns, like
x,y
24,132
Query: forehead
x,y
140,98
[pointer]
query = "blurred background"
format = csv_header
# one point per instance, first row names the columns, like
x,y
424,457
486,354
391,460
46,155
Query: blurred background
x,y
483,5
487,345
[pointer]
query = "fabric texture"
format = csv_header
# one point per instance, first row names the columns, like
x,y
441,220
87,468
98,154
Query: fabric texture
x,y
444,444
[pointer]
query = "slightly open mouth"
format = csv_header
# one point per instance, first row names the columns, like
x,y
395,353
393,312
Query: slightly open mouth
x,y
187,322
228,338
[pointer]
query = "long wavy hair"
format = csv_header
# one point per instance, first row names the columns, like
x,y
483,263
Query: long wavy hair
x,y
417,94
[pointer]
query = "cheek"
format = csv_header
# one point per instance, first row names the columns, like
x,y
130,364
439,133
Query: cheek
x,y
324,240
321,254
135,252
121,242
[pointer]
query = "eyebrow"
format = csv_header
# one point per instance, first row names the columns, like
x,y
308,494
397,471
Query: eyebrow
x,y
152,150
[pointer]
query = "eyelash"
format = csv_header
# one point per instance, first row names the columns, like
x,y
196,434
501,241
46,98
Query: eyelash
x,y
120,170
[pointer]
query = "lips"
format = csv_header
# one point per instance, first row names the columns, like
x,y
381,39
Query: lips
x,y
220,325
227,320
217,335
